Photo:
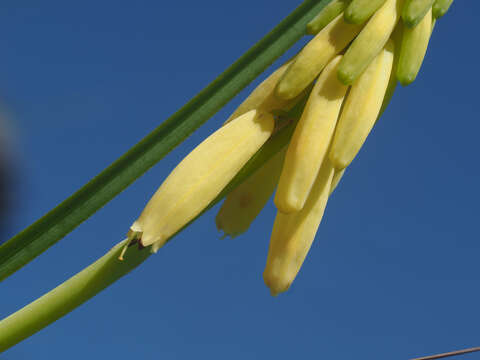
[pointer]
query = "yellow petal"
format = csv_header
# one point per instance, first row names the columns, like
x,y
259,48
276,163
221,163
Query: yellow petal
x,y
310,140
293,234
201,176
361,109
315,56
244,203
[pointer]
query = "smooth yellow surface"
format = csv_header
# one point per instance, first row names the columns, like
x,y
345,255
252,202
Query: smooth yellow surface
x,y
361,109
370,41
244,203
311,140
396,38
414,47
263,98
315,56
293,235
337,176
201,176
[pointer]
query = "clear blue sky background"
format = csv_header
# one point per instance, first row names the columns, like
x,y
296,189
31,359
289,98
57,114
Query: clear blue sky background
x,y
394,271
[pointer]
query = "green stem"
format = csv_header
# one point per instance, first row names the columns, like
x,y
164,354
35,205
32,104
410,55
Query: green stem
x,y
66,297
52,227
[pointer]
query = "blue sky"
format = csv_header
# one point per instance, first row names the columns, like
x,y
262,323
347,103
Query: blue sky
x,y
394,270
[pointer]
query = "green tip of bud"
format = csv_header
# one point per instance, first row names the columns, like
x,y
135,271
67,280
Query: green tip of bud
x,y
276,286
311,29
345,77
351,17
338,161
438,12
410,22
406,79
284,91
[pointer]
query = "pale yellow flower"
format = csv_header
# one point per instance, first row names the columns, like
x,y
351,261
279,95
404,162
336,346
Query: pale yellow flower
x,y
201,176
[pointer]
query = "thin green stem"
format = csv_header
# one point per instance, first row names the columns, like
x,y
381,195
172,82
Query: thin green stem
x,y
45,232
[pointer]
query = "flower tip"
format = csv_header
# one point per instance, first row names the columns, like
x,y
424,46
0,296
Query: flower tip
x,y
339,160
406,80
156,246
135,231
350,17
277,290
410,21
266,120
276,284
345,77
287,205
311,30
273,293
221,227
284,91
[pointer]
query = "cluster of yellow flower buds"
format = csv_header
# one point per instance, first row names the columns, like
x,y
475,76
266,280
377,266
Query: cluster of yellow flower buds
x,y
360,50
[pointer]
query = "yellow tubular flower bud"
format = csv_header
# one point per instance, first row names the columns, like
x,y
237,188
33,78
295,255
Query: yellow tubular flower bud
x,y
310,140
361,109
414,47
263,98
315,56
370,41
326,15
244,203
293,235
392,83
414,11
201,176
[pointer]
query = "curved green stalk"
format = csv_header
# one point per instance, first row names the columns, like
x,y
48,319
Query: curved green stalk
x,y
66,297
46,231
